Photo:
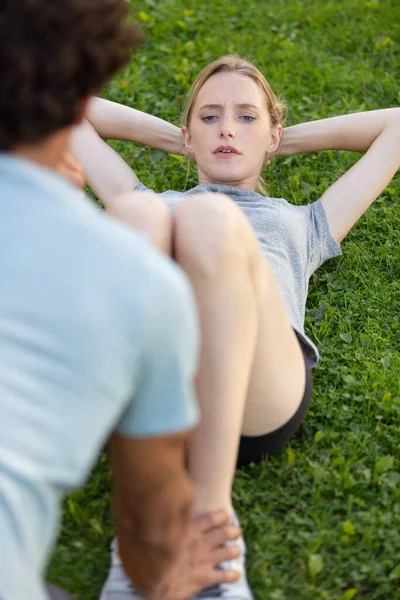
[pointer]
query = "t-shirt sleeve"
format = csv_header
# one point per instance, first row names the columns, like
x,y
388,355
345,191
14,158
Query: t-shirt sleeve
x,y
140,187
163,400
321,245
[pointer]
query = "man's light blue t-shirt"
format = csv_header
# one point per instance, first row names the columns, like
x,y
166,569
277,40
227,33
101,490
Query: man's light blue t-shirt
x,y
97,332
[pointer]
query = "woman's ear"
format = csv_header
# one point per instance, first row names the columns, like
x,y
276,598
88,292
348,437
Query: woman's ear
x,y
275,139
273,144
187,140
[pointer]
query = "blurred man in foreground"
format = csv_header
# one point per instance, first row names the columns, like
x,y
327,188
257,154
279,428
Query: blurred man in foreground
x,y
97,330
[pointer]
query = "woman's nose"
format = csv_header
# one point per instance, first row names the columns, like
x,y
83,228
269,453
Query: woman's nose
x,y
227,128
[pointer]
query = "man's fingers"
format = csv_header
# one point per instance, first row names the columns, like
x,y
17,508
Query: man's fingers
x,y
71,169
210,521
218,536
223,553
74,177
71,162
221,576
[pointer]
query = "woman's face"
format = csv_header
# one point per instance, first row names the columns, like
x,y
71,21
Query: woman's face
x,y
230,131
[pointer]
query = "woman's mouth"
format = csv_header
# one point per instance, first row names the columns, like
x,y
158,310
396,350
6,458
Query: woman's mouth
x,y
226,152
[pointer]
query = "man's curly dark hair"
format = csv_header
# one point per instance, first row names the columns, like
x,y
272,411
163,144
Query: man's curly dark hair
x,y
53,54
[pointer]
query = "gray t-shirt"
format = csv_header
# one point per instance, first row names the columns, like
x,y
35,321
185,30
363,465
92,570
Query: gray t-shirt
x,y
295,239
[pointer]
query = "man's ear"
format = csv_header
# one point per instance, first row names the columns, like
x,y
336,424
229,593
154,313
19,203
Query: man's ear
x,y
81,110
187,140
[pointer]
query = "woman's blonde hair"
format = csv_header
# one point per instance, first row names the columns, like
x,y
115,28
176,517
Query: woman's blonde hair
x,y
235,64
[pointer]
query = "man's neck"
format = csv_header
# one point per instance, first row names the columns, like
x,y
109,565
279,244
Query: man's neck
x,y
48,153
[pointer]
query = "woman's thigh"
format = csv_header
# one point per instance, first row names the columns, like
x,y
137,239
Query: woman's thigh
x,y
278,375
212,227
255,448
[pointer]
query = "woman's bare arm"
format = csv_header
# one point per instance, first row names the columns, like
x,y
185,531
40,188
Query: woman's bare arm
x,y
119,122
105,170
377,133
353,132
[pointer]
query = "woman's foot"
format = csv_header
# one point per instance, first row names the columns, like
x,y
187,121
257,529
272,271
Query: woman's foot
x,y
117,585
236,590
208,558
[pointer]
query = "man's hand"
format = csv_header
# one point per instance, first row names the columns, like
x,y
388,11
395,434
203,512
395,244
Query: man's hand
x,y
203,548
71,169
153,498
150,544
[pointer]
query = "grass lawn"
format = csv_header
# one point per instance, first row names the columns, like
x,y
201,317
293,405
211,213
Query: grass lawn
x,y
321,519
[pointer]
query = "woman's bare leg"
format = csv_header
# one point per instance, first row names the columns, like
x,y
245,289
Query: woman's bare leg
x,y
209,248
250,359
251,376
204,546
277,379
145,212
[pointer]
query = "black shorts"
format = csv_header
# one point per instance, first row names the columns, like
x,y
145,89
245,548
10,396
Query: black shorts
x,y
255,448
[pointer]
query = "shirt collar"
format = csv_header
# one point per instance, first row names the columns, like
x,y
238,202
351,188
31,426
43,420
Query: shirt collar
x,y
34,174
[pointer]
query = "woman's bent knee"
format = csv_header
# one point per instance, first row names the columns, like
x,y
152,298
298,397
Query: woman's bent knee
x,y
210,233
145,204
146,212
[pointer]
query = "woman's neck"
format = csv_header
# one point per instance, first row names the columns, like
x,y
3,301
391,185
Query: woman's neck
x,y
246,184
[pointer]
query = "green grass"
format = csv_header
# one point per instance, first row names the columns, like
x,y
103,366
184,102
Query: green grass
x,y
322,518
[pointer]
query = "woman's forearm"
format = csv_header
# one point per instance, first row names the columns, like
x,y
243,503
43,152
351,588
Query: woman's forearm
x,y
354,132
119,122
105,171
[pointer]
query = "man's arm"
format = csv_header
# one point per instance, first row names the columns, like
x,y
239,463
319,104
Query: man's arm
x,y
153,497
152,492
119,122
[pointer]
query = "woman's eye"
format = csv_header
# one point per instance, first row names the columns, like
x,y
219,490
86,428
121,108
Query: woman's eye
x,y
209,118
247,118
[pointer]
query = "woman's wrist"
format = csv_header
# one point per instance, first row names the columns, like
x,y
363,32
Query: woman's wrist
x,y
286,143
173,141
307,137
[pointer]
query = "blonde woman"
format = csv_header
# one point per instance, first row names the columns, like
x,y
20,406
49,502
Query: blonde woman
x,y
249,259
